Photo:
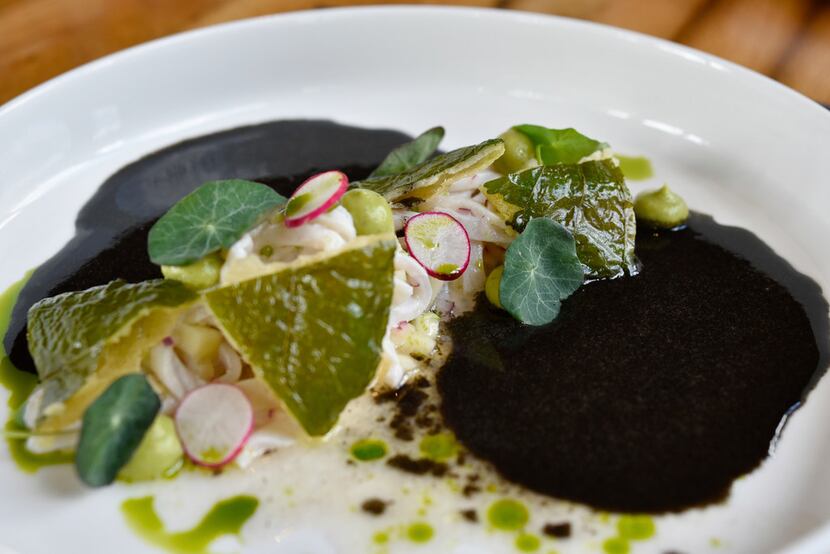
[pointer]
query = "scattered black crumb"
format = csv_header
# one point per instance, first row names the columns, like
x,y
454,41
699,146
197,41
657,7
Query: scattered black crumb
x,y
374,506
469,490
470,515
461,459
672,552
408,400
557,530
425,420
421,466
350,462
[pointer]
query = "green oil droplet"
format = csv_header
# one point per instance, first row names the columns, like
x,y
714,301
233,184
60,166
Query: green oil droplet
x,y
635,528
528,543
367,450
446,269
225,518
266,251
297,203
439,447
507,515
635,168
419,532
20,385
380,537
615,545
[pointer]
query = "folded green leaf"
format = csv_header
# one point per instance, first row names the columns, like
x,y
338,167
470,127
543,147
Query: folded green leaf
x,y
82,341
435,174
590,199
313,331
113,427
541,269
559,146
212,217
410,154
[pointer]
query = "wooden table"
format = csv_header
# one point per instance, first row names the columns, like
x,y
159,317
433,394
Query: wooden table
x,y
786,39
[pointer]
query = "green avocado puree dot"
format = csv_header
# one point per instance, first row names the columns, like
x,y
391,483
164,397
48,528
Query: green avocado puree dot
x,y
439,447
635,528
367,450
528,543
20,385
419,532
635,168
225,518
507,515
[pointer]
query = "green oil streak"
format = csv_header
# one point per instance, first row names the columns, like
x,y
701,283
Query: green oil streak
x,y
528,543
225,518
507,515
635,168
439,447
367,450
419,532
20,385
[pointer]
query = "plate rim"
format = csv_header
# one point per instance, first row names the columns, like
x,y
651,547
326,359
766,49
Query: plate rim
x,y
736,71
50,89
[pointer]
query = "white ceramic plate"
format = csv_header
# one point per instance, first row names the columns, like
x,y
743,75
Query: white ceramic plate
x,y
735,144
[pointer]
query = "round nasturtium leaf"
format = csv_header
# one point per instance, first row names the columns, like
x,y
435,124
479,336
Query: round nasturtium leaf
x,y
212,217
541,269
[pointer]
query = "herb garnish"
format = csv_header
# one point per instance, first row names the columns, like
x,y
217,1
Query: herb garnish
x,y
410,154
559,146
591,199
436,174
541,269
113,427
211,217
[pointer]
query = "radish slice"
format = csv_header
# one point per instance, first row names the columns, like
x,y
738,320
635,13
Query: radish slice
x,y
213,423
439,243
316,195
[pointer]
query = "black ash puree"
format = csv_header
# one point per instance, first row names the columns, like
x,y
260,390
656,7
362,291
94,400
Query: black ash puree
x,y
649,393
110,239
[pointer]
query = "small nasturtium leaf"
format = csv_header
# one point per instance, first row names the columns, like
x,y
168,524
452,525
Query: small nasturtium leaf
x,y
113,427
590,199
82,341
559,146
212,217
435,174
410,154
313,331
541,269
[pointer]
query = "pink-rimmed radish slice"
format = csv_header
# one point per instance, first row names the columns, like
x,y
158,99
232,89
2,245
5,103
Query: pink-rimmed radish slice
x,y
214,422
439,243
316,195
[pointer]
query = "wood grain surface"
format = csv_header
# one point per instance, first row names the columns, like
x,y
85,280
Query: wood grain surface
x,y
788,40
